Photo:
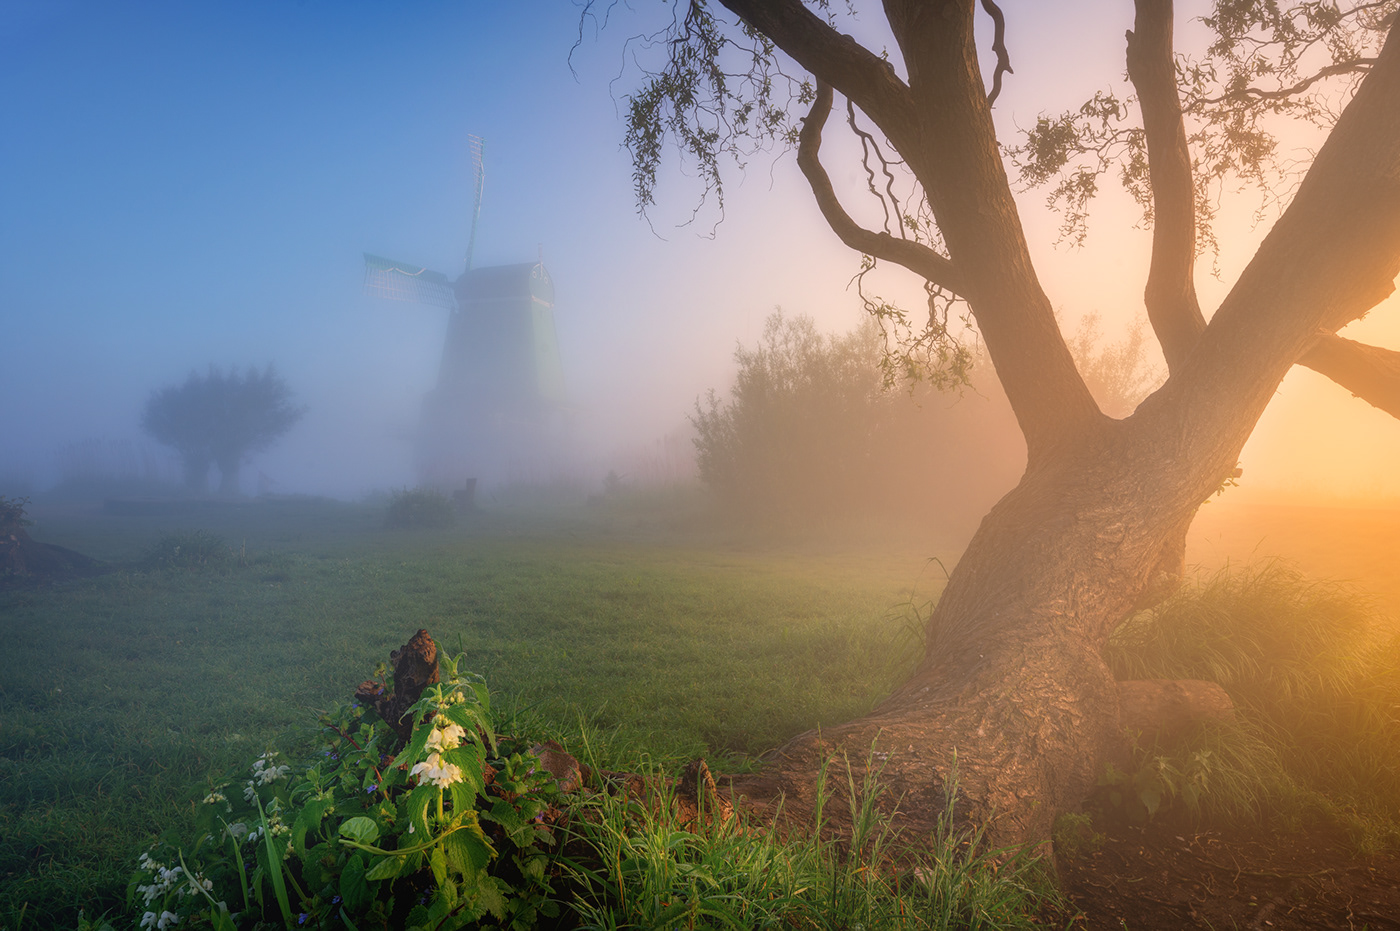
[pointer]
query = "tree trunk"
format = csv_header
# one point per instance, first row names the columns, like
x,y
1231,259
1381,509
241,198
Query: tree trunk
x,y
1013,698
228,476
196,469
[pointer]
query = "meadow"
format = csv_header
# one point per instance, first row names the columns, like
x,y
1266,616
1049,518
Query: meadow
x,y
125,693
641,635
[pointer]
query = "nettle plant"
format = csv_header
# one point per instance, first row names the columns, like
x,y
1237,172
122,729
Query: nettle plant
x,y
454,830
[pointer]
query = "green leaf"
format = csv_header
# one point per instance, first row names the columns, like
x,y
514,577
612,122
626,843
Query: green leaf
x,y
386,868
418,917
416,808
353,888
319,864
437,860
360,829
468,851
491,900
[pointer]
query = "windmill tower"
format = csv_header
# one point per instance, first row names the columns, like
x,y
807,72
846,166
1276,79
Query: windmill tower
x,y
499,397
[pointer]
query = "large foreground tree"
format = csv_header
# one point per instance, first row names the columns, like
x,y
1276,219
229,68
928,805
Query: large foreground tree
x,y
1013,691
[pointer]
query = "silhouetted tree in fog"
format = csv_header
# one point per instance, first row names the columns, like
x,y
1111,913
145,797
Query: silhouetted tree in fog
x,y
220,419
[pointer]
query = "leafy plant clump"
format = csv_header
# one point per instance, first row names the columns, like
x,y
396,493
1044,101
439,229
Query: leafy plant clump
x,y
12,517
419,508
450,831
650,869
1312,669
191,549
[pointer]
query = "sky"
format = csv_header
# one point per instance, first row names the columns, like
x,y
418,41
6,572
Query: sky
x,y
186,183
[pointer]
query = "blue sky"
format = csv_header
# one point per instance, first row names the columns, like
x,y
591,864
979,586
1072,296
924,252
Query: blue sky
x,y
188,183
185,183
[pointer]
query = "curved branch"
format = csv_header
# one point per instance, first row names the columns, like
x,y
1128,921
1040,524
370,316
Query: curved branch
x,y
1368,372
1170,295
1347,67
998,48
837,59
914,256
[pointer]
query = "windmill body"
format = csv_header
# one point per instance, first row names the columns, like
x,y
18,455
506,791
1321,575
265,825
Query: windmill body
x,y
498,406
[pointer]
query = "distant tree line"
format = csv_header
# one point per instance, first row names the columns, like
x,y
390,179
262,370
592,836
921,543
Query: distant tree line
x,y
220,419
811,432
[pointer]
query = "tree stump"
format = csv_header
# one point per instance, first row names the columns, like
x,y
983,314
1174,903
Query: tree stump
x,y
415,668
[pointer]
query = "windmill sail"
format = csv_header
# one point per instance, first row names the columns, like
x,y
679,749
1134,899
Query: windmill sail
x,y
400,281
479,172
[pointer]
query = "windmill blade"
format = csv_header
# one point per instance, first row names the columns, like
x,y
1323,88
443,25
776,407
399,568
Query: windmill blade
x,y
400,281
479,177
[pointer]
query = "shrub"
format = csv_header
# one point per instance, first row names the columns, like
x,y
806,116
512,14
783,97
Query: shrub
x,y
419,508
1313,670
191,549
449,831
12,517
811,431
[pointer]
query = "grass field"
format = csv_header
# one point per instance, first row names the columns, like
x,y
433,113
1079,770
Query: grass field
x,y
660,637
124,693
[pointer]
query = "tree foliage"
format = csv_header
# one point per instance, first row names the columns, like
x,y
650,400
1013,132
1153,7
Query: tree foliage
x,y
816,428
812,431
220,418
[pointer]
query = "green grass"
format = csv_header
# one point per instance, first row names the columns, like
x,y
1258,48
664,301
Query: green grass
x,y
652,635
125,693
648,871
1314,671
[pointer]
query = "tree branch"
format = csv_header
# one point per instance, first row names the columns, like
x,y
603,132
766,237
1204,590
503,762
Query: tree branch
x,y
1170,295
914,256
1258,93
1331,257
1368,372
839,60
998,48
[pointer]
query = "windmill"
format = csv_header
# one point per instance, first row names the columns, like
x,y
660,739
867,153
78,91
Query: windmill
x,y
500,385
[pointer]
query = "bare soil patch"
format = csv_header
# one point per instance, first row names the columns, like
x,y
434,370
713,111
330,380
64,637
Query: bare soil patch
x,y
1161,877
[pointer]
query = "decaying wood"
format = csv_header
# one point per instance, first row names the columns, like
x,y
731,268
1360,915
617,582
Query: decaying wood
x,y
415,668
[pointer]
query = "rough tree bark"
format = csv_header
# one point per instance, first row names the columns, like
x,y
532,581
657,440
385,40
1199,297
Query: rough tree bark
x,y
1013,695
415,668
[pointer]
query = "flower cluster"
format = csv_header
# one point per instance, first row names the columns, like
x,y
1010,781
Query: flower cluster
x,y
264,772
165,880
436,771
445,736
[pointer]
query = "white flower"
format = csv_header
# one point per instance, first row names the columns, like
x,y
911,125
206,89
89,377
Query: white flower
x,y
213,798
445,738
148,920
437,772
167,920
264,772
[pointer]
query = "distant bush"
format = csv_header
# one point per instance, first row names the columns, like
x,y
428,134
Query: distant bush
x,y
12,517
193,549
810,431
419,508
105,467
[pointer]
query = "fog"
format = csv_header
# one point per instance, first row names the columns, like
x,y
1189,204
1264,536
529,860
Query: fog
x,y
187,184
